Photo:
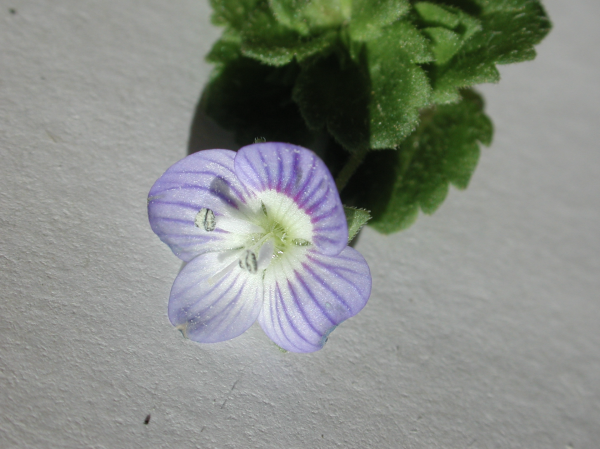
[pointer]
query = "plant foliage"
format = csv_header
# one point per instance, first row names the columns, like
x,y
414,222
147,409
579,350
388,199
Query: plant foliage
x,y
365,75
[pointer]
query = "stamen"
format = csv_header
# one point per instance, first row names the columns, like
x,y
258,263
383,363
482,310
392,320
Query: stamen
x,y
206,219
301,242
248,262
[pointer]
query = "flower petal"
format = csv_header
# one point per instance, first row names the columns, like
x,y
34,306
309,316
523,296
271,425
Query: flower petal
x,y
306,299
203,180
302,176
213,299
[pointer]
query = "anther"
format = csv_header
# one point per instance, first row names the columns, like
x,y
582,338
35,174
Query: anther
x,y
206,219
301,242
248,262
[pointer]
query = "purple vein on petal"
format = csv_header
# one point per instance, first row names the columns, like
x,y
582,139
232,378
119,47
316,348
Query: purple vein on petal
x,y
234,301
324,215
175,203
312,295
314,189
280,174
186,236
195,285
322,238
292,178
299,306
174,220
226,199
275,314
317,204
328,287
288,320
255,173
329,228
265,168
336,268
307,181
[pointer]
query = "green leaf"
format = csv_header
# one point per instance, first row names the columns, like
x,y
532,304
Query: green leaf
x,y
334,94
399,89
370,16
405,36
446,43
435,15
447,27
369,102
232,13
356,219
267,40
226,49
509,30
315,15
254,100
443,150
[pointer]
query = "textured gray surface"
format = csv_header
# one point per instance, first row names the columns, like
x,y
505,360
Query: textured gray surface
x,y
482,329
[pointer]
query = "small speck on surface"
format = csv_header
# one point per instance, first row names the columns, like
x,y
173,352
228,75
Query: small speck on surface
x,y
13,11
147,420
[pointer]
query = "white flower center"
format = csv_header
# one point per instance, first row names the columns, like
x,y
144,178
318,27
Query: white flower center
x,y
263,232
283,226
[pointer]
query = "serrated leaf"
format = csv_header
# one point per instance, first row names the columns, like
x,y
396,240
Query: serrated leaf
x,y
356,219
267,40
443,150
448,28
434,15
369,102
509,30
254,100
226,49
446,43
369,17
315,15
399,89
404,35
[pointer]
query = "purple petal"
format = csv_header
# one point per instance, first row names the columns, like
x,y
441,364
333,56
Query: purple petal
x,y
302,176
303,304
202,180
213,299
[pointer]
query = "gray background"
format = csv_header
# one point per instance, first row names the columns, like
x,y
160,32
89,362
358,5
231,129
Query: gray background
x,y
482,328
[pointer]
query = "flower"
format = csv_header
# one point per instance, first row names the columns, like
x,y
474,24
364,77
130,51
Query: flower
x,y
265,236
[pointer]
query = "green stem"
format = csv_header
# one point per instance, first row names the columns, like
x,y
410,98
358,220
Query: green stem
x,y
348,170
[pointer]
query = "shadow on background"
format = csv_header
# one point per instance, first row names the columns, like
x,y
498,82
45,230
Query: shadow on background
x,y
206,134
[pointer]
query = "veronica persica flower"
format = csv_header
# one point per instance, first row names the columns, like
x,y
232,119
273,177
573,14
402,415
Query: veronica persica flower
x,y
265,237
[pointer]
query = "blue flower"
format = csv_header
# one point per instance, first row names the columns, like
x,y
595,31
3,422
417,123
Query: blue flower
x,y
265,237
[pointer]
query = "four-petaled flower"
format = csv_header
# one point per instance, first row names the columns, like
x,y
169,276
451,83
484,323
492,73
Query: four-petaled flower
x,y
265,235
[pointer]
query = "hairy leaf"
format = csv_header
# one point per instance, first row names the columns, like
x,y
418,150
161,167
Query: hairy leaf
x,y
267,40
405,36
306,16
370,16
448,28
443,150
226,49
368,102
356,219
509,30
